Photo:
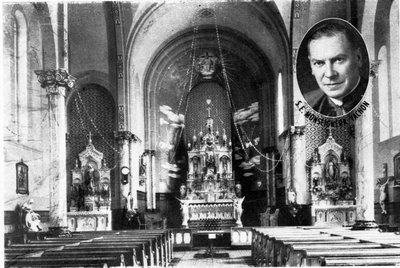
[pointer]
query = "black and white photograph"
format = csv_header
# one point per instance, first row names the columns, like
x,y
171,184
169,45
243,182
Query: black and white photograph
x,y
200,133
334,54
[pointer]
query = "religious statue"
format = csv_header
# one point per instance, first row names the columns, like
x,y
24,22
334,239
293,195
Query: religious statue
x,y
273,219
316,157
238,190
237,203
224,161
195,165
382,182
32,219
331,171
291,196
182,191
91,179
346,181
210,160
264,217
77,195
105,190
185,212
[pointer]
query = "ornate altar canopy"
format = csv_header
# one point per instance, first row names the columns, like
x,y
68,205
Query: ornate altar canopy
x,y
210,198
90,198
331,185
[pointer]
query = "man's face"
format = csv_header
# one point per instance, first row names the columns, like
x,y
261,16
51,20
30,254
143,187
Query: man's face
x,y
334,64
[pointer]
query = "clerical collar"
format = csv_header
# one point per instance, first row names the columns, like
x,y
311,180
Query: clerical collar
x,y
339,102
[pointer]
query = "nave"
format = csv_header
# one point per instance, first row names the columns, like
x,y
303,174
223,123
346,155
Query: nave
x,y
267,246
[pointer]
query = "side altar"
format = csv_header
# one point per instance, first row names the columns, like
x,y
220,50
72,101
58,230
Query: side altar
x,y
90,196
331,188
209,200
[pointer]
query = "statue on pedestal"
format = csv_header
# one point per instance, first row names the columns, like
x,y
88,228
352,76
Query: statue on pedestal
x,y
185,212
237,203
382,182
91,179
32,219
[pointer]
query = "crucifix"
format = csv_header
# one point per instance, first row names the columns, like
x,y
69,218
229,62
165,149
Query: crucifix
x,y
209,111
330,130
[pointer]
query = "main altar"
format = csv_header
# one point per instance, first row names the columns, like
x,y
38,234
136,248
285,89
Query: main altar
x,y
90,195
331,188
208,199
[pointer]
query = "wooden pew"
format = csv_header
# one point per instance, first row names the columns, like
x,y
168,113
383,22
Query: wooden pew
x,y
258,245
86,261
158,246
273,244
360,260
50,255
300,254
296,246
147,255
266,255
283,249
162,250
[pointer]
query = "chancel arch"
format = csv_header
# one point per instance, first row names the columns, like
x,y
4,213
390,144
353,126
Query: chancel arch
x,y
171,80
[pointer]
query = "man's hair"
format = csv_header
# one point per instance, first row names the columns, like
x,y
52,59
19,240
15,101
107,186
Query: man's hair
x,y
331,29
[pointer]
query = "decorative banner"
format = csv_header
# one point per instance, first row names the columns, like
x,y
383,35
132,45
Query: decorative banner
x,y
120,67
116,16
22,178
121,117
396,166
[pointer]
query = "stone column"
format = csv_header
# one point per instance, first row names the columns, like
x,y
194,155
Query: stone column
x,y
56,82
124,141
134,164
298,164
150,161
364,158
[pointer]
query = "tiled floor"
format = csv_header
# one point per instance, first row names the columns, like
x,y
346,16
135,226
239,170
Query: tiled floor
x,y
222,258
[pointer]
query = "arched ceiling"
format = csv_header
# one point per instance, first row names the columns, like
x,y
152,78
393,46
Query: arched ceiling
x,y
159,24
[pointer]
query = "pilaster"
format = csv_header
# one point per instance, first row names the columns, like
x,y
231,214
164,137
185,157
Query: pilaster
x,y
150,183
125,139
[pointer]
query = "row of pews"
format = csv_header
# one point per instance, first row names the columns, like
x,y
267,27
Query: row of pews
x,y
145,248
310,246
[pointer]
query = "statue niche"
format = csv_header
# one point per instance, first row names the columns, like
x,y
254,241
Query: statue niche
x,y
331,186
90,194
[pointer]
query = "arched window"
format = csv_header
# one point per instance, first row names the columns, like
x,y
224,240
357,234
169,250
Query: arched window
x,y
20,78
394,67
10,94
384,122
280,105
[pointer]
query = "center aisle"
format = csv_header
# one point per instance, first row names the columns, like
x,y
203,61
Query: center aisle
x,y
235,258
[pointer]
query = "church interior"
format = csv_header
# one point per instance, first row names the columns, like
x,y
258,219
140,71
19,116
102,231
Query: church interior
x,y
182,125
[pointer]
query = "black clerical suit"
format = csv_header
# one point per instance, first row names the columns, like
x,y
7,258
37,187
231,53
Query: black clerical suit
x,y
324,105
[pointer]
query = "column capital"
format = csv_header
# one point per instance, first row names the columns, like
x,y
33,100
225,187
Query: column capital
x,y
55,81
125,135
296,130
149,152
374,67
